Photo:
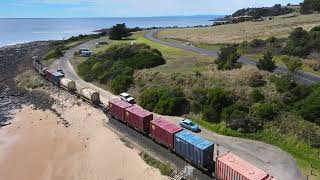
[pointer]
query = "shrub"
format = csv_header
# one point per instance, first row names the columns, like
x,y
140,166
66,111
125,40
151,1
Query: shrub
x,y
240,121
256,80
263,111
284,83
309,108
315,29
166,101
266,62
117,64
293,125
271,40
293,64
257,43
217,99
121,83
198,99
256,96
210,114
298,43
228,58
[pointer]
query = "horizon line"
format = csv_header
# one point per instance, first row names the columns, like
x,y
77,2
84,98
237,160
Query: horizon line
x,y
112,17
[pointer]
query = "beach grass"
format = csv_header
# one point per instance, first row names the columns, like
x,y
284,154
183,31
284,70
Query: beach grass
x,y
165,168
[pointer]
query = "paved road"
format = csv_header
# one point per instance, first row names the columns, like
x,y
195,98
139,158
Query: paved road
x,y
304,77
267,157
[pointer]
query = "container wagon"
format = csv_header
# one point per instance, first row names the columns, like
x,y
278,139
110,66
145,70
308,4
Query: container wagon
x,y
139,118
163,131
39,67
90,95
53,77
195,149
68,84
117,109
231,167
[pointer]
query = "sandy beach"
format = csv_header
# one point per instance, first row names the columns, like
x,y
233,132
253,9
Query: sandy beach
x,y
70,143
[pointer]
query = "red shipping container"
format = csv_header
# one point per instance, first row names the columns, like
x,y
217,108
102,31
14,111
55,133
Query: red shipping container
x,y
117,108
231,167
139,118
163,131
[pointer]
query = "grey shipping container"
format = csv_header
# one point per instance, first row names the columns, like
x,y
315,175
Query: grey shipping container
x,y
195,149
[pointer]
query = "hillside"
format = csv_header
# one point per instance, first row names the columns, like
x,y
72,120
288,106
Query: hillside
x,y
280,26
249,96
256,13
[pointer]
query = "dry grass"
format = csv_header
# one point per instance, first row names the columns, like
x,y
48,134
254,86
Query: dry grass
x,y
279,27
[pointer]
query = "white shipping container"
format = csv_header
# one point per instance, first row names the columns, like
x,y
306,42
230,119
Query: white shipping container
x,y
90,95
68,84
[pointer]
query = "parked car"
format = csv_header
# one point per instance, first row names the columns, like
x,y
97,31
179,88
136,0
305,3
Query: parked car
x,y
189,124
127,98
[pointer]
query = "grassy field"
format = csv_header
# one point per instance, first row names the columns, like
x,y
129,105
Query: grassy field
x,y
280,26
188,70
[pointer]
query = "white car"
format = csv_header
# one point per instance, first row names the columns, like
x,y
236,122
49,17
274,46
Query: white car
x,y
127,98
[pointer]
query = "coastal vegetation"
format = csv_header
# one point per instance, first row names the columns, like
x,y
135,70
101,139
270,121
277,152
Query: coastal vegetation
x,y
119,31
241,102
116,65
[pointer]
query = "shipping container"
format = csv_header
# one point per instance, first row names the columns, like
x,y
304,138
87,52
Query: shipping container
x,y
163,132
117,108
195,149
139,118
68,84
53,77
231,167
90,95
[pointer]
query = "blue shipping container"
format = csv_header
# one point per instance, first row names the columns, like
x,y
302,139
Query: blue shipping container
x,y
194,148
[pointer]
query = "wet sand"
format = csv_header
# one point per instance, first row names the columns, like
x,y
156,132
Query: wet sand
x,y
37,146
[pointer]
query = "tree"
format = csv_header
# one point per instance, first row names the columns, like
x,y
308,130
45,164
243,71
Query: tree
x,y
298,43
228,58
293,64
266,62
309,6
119,31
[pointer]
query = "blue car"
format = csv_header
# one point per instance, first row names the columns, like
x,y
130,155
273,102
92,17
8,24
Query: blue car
x,y
188,124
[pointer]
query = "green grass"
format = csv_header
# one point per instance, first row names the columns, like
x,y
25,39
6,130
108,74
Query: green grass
x,y
303,153
214,47
165,168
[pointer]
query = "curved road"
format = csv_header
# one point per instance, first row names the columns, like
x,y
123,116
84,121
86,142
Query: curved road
x,y
303,77
267,157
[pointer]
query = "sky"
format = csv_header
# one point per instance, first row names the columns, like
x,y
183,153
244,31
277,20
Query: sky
x,y
126,8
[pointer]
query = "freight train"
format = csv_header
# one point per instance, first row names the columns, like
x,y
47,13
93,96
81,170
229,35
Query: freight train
x,y
194,149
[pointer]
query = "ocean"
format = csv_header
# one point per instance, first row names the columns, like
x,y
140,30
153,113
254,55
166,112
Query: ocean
x,y
21,30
